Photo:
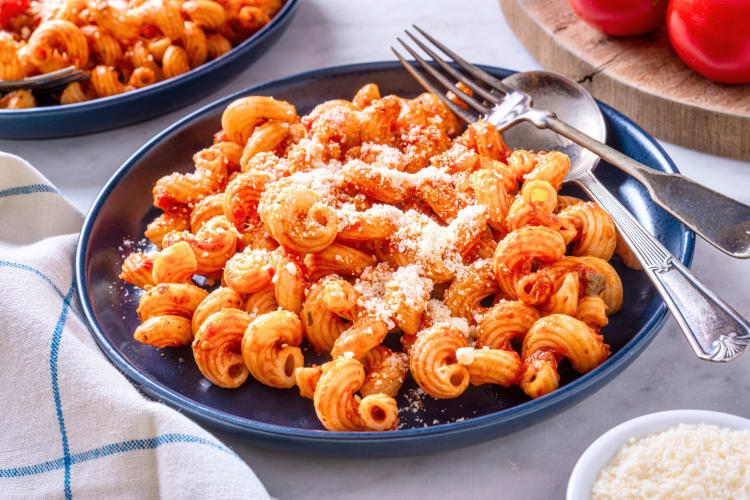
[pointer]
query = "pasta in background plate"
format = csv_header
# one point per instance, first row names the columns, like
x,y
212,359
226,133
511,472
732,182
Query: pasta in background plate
x,y
365,219
123,45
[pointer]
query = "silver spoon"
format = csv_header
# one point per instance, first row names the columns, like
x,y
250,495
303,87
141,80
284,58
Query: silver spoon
x,y
720,220
715,331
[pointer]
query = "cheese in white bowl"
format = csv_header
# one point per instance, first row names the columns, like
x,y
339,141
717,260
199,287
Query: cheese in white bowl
x,y
687,461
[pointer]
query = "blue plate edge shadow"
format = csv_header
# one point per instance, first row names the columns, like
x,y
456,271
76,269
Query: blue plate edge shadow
x,y
379,443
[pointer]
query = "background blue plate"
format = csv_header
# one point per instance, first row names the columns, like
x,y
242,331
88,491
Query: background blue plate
x,y
281,418
131,107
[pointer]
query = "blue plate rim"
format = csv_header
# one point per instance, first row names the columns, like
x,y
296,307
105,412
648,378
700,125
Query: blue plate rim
x,y
257,38
235,424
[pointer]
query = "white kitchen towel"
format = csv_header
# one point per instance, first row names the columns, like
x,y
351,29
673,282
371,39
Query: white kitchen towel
x,y
72,425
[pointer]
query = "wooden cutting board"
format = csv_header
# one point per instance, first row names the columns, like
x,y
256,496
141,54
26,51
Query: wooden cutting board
x,y
640,76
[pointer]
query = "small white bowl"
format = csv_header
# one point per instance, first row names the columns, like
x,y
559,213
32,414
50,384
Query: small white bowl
x,y
604,449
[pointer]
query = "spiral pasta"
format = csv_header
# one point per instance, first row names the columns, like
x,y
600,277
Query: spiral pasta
x,y
337,407
269,348
74,93
219,299
553,336
261,302
385,371
433,364
249,271
175,264
213,244
320,324
170,299
297,218
491,366
11,67
205,13
367,332
595,230
137,269
105,48
515,255
106,81
306,378
217,348
242,116
464,296
165,311
338,259
205,210
360,225
57,43
125,46
288,282
505,322
171,220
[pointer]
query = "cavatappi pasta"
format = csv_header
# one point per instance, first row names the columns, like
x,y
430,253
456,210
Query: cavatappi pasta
x,y
123,45
369,219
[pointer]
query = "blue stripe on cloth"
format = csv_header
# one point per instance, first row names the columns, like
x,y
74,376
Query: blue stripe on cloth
x,y
146,444
29,470
112,449
5,263
53,356
31,188
15,265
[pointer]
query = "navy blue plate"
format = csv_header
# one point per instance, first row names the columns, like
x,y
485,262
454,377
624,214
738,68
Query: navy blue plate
x,y
281,418
124,109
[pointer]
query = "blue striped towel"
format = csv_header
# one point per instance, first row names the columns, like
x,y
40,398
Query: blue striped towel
x,y
72,425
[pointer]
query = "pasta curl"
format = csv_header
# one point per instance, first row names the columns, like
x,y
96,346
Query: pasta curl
x,y
433,363
217,348
269,348
339,409
558,335
360,226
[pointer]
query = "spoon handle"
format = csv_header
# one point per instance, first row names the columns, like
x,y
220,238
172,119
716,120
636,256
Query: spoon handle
x,y
720,220
716,332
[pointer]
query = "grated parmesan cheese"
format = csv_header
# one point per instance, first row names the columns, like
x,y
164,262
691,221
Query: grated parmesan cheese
x,y
440,313
465,355
371,286
684,462
410,287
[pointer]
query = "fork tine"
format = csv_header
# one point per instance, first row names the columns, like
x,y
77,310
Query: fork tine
x,y
37,81
60,83
468,67
455,73
56,82
447,83
458,110
43,78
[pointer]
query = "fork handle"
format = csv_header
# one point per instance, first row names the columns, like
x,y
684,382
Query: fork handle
x,y
716,332
720,220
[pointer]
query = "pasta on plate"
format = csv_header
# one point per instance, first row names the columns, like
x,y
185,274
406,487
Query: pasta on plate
x,y
366,219
122,45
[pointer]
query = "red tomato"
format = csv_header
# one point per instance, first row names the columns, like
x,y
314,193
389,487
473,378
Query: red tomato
x,y
10,9
622,17
712,37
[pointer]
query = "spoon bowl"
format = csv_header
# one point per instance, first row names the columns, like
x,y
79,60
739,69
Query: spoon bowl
x,y
571,103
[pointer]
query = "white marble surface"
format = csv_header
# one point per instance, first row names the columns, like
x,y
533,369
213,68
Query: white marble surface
x,y
534,463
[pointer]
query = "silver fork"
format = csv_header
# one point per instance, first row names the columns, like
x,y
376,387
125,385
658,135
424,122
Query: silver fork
x,y
48,82
715,331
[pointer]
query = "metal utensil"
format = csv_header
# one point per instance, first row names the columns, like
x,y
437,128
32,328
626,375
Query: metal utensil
x,y
715,331
720,220
48,82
